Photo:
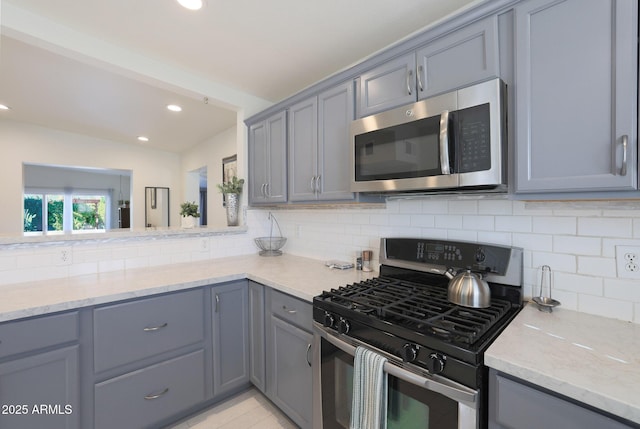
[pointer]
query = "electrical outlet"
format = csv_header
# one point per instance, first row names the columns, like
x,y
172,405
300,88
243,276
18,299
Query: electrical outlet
x,y
628,261
64,256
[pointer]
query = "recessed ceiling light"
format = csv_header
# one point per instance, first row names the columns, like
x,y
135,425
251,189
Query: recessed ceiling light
x,y
174,108
143,138
4,107
191,4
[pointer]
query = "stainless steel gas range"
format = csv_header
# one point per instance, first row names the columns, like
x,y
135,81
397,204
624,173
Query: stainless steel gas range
x,y
434,348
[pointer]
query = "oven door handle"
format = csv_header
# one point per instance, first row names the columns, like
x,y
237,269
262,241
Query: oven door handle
x,y
458,393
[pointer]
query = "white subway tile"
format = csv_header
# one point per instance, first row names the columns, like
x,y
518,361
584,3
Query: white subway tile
x,y
478,223
533,242
448,221
462,235
410,206
557,262
578,283
501,238
605,227
400,220
622,289
513,223
436,234
463,207
554,225
495,207
577,245
423,220
597,266
435,206
606,307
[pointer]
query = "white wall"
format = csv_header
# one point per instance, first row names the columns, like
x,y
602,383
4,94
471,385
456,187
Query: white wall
x,y
577,240
22,143
209,154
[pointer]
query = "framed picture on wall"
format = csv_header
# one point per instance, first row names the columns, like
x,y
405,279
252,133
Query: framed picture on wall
x,y
229,169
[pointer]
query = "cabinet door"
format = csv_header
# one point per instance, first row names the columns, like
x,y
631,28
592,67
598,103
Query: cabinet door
x,y
289,383
334,146
258,162
303,150
230,336
576,95
389,85
277,156
516,405
49,380
257,371
464,57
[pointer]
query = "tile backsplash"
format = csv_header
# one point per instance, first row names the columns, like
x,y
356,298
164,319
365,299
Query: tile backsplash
x,y
577,240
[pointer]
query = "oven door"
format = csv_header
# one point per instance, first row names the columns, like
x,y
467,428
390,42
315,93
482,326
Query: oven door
x,y
414,401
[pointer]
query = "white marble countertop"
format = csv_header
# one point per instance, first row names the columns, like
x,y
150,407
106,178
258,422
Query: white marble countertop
x,y
592,359
297,276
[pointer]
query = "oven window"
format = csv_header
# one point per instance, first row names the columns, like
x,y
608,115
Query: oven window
x,y
400,152
409,406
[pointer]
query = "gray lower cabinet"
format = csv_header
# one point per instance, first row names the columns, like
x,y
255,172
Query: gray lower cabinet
x,y
463,57
516,405
319,161
142,398
576,96
257,369
151,359
39,373
230,321
289,343
268,160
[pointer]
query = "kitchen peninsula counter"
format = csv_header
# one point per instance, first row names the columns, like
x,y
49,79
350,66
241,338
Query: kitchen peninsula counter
x,y
591,359
298,276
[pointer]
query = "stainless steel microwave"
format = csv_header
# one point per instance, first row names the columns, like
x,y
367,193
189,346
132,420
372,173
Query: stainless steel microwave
x,y
451,141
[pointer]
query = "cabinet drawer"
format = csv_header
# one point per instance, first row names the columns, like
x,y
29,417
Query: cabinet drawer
x,y
291,309
143,398
41,332
124,333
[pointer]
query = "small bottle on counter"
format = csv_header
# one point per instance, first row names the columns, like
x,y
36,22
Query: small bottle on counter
x,y
367,255
359,261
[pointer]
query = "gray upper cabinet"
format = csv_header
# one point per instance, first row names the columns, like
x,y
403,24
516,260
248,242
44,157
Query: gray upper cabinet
x,y
463,57
459,59
576,107
268,160
230,336
319,161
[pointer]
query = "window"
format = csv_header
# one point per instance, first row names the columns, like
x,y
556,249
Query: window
x,y
65,211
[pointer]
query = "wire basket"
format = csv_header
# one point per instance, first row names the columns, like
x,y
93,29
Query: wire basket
x,y
270,246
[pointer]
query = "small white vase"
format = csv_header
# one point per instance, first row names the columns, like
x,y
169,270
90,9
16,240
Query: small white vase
x,y
188,222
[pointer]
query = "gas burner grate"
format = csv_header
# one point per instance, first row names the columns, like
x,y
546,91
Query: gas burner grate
x,y
421,308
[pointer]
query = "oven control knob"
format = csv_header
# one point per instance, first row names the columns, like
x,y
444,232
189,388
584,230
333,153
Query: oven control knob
x,y
329,320
409,352
343,326
435,363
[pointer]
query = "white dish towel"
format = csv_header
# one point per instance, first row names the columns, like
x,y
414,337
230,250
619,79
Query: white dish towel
x,y
369,407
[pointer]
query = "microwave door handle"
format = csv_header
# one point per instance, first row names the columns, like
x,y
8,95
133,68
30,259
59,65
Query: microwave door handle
x,y
444,143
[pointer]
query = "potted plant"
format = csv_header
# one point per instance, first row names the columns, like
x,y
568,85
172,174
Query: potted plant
x,y
189,213
232,190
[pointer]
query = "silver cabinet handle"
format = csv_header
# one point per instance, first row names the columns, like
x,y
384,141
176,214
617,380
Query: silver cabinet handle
x,y
312,184
625,144
262,190
419,75
155,328
150,396
217,303
318,184
409,76
308,350
444,142
284,307
267,191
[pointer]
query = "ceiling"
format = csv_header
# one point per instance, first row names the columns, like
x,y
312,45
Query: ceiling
x,y
265,49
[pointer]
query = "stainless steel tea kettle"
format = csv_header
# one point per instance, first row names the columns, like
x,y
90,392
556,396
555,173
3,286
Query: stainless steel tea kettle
x,y
468,289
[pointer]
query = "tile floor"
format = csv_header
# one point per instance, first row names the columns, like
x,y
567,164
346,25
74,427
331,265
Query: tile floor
x,y
249,409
